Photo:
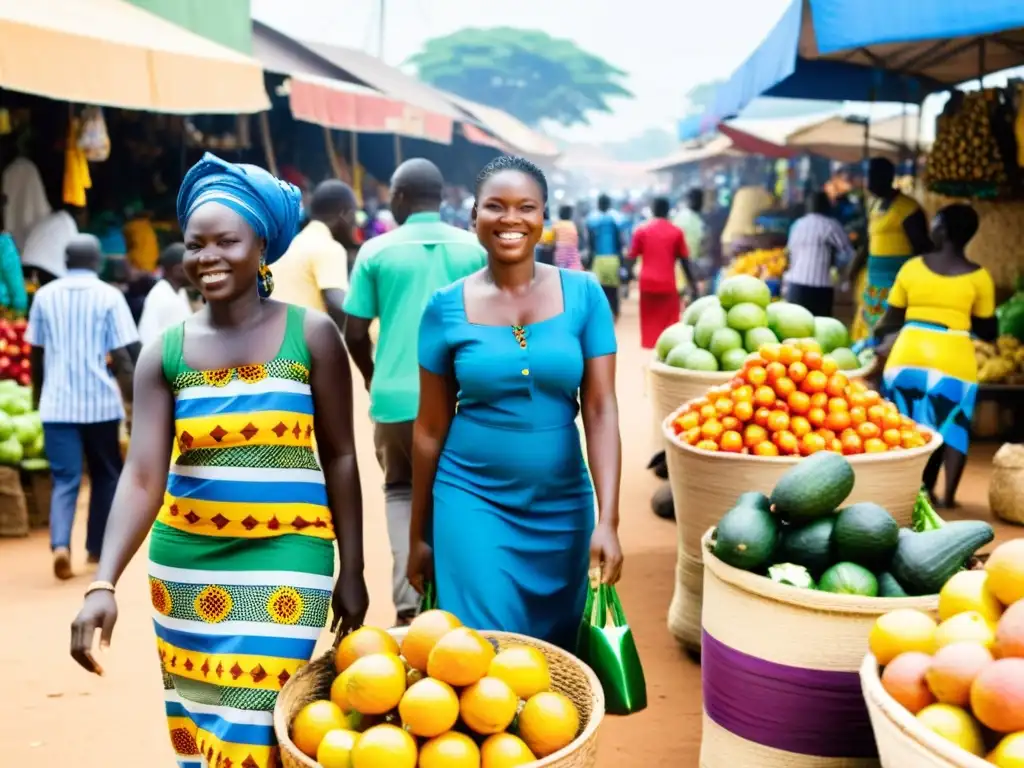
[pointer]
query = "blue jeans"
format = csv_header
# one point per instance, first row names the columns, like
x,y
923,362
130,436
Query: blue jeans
x,y
65,446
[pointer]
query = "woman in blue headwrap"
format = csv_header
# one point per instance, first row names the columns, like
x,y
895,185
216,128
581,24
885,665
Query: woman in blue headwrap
x,y
241,556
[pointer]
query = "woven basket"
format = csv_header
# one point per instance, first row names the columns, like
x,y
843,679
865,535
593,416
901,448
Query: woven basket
x,y
809,640
902,741
1006,487
569,676
705,486
13,509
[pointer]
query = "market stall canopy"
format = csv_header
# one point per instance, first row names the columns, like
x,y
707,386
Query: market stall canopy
x,y
513,134
110,53
872,50
843,140
735,139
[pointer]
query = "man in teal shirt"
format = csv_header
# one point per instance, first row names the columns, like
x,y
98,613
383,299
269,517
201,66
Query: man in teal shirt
x,y
393,277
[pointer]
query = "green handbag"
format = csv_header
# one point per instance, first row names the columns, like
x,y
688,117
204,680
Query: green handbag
x,y
611,652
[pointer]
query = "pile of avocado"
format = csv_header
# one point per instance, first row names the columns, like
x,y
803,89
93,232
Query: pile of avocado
x,y
803,537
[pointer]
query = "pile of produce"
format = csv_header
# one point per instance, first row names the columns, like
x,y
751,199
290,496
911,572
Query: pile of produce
x,y
719,332
790,400
963,678
802,536
21,430
15,352
1010,314
442,699
767,264
1000,363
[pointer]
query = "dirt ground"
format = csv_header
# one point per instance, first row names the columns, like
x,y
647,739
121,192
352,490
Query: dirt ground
x,y
54,714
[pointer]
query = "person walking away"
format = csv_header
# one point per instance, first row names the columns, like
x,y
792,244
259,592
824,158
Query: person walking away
x,y
817,242
241,513
313,273
45,253
167,303
13,296
567,240
75,322
394,276
936,303
690,219
503,503
897,231
605,238
661,245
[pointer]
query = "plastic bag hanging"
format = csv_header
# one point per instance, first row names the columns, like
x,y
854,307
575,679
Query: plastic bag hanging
x,y
611,651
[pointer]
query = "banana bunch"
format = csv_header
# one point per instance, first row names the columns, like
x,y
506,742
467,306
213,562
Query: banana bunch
x,y
1000,363
767,264
965,158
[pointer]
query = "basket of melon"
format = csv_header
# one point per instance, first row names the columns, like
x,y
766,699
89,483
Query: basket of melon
x,y
440,695
951,693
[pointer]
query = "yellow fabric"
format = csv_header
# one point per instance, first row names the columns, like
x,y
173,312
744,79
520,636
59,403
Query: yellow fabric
x,y
238,667
76,169
950,301
886,236
142,243
936,350
110,52
230,515
228,430
314,262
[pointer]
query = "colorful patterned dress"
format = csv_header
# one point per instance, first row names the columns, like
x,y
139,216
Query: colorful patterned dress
x,y
241,554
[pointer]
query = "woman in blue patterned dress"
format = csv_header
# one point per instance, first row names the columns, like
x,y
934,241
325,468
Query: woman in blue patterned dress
x,y
241,556
503,505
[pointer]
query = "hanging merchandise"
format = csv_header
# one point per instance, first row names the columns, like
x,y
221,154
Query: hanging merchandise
x,y
93,139
76,168
5,121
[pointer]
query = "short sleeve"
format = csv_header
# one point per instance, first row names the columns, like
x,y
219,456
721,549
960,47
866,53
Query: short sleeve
x,y
36,331
898,292
361,299
985,295
330,268
597,335
120,329
434,353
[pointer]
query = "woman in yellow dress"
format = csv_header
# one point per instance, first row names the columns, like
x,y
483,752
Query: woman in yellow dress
x,y
897,231
937,301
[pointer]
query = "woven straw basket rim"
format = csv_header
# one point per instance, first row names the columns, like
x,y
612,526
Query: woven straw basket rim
x,y
858,458
282,719
720,377
811,599
908,726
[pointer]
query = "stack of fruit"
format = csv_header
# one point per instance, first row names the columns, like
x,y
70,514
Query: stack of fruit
x,y
442,699
1000,363
966,160
790,400
767,264
21,429
964,678
802,537
15,352
718,332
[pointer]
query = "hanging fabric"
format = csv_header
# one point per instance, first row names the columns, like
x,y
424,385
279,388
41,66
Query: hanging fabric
x,y
76,168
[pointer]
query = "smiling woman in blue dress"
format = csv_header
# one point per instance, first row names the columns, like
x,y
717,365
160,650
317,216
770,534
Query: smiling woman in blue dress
x,y
503,504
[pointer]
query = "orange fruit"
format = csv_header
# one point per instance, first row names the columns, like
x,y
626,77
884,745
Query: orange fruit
x,y
692,436
871,397
852,444
549,721
904,680
876,414
423,634
812,443
461,657
770,352
723,406
711,429
786,442
790,354
488,706
809,344
375,684
503,750
764,396
744,410
835,445
816,417
1005,569
798,402
730,423
688,421
363,642
812,360
868,430
452,750
754,434
816,381
858,415
837,421
891,437
761,416
953,669
784,387
731,441
1009,753
743,392
335,750
766,449
707,412
525,669
875,445
892,420
838,404
781,405
836,386
778,421
856,398
798,371
799,426
384,746
756,375
315,721
707,445
954,725
997,696
901,631
775,371
829,366
429,708
819,400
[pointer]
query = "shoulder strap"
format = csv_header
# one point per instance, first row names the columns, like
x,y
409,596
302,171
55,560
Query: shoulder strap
x,y
294,345
173,341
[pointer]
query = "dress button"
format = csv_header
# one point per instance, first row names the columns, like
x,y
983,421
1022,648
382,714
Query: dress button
x,y
526,371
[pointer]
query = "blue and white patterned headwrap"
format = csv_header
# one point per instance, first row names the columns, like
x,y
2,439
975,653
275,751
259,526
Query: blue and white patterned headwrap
x,y
270,206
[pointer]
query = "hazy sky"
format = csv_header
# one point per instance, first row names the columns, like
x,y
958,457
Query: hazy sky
x,y
666,46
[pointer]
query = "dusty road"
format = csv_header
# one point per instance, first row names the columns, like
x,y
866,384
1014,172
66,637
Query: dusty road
x,y
53,714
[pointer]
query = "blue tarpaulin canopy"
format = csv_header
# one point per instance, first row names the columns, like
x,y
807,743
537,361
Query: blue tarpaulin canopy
x,y
872,50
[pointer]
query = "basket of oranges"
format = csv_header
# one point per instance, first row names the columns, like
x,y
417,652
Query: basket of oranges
x,y
440,695
788,401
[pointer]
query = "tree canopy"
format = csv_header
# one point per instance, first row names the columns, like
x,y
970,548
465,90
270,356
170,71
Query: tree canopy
x,y
527,73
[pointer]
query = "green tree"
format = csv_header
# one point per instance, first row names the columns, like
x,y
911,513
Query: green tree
x,y
527,73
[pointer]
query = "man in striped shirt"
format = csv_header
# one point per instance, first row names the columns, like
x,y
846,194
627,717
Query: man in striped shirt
x,y
75,322
817,241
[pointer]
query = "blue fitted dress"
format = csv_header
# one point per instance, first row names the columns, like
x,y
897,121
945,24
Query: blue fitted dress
x,y
513,500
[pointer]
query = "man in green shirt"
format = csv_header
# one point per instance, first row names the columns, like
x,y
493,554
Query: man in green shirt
x,y
393,277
